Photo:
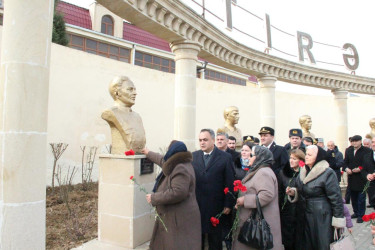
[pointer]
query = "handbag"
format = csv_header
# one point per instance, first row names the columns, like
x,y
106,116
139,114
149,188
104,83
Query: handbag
x,y
255,232
344,242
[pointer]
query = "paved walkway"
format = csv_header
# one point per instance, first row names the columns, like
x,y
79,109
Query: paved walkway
x,y
362,232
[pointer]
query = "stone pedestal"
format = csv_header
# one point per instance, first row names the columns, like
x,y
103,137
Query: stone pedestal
x,y
267,101
124,217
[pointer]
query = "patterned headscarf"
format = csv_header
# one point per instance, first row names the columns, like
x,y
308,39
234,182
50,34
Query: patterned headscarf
x,y
264,158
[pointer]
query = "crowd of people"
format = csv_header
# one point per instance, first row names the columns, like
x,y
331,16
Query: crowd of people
x,y
297,186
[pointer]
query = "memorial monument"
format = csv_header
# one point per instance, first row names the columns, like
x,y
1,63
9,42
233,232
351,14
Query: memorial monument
x,y
372,126
126,125
306,123
231,116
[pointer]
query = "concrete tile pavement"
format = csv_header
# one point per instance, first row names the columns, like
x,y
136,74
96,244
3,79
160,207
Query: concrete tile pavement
x,y
362,232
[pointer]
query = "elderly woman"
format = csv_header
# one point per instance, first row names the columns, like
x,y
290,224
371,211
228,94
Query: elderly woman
x,y
318,188
261,181
291,214
175,200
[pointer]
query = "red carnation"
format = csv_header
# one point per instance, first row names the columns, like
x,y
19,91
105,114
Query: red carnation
x,y
131,177
246,169
130,152
342,172
360,167
366,218
372,216
236,188
237,182
243,188
214,221
301,164
226,190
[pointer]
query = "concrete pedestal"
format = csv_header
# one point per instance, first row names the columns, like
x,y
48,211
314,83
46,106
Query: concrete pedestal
x,y
124,216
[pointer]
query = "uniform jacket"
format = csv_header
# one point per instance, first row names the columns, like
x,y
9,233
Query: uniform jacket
x,y
280,156
355,180
323,205
176,204
263,183
210,183
288,148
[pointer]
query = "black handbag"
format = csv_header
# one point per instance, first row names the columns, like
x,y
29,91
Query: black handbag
x,y
256,232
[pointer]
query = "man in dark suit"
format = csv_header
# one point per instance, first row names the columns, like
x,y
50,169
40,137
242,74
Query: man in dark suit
x,y
368,172
353,166
213,172
280,155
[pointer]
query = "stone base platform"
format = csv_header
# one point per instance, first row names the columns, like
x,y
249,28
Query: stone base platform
x,y
98,245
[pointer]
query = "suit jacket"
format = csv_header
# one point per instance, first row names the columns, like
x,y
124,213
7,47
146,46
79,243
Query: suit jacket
x,y
351,161
280,156
368,165
233,153
210,183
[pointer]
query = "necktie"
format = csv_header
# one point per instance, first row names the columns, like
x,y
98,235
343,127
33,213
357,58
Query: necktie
x,y
206,158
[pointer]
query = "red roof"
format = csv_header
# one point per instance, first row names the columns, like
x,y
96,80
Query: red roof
x,y
75,15
137,35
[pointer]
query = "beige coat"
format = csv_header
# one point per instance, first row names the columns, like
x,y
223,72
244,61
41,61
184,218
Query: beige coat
x,y
176,204
263,183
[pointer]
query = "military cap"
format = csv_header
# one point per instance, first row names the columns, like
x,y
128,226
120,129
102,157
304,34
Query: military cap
x,y
267,130
295,132
249,138
356,138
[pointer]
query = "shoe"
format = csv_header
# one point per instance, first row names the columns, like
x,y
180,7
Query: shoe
x,y
359,220
354,216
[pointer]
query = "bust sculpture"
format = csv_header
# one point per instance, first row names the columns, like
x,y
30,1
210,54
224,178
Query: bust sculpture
x,y
231,116
306,123
372,126
126,125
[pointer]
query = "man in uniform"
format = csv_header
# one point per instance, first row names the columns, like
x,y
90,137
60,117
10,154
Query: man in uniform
x,y
295,138
280,155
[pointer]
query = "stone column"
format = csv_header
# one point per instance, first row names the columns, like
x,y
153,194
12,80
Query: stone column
x,y
24,79
186,57
341,113
267,101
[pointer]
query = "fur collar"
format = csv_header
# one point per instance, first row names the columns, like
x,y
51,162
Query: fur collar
x,y
174,160
315,172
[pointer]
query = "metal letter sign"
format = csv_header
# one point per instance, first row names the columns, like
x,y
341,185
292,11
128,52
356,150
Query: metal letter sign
x,y
347,57
307,47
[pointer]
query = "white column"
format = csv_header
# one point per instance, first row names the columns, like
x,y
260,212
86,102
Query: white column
x,y
341,113
267,101
186,57
24,79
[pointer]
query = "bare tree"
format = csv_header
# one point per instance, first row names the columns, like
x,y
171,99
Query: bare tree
x,y
57,150
87,166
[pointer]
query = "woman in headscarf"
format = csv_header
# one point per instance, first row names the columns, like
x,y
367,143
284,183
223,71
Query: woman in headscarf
x,y
317,186
291,214
175,200
261,181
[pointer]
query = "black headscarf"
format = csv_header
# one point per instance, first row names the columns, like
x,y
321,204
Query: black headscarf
x,y
322,155
175,147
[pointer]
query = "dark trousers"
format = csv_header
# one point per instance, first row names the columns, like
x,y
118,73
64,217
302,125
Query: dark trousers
x,y
347,195
358,202
214,240
371,194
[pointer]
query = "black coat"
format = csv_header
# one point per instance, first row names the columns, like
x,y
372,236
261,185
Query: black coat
x,y
210,184
368,166
321,194
291,214
355,180
233,153
239,173
331,159
339,162
280,157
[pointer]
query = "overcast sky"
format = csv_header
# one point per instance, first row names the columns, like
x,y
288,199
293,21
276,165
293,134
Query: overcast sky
x,y
333,22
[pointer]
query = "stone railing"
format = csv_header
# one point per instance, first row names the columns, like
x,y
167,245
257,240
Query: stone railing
x,y
173,21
